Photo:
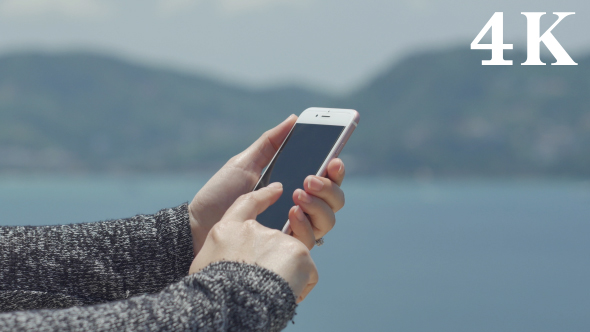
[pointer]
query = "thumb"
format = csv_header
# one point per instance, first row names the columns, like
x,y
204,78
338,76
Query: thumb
x,y
260,153
249,205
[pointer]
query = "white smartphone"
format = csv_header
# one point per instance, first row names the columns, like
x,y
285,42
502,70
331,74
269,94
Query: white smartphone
x,y
317,137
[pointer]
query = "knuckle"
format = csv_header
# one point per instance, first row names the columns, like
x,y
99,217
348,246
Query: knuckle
x,y
217,232
249,198
328,184
327,221
268,234
266,134
316,275
299,250
287,244
311,243
251,224
327,227
296,250
235,160
341,203
332,224
273,234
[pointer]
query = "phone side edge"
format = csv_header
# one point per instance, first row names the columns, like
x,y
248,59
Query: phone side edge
x,y
337,148
273,157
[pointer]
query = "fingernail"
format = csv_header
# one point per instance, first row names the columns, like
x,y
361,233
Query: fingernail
x,y
304,197
275,185
341,168
299,214
315,184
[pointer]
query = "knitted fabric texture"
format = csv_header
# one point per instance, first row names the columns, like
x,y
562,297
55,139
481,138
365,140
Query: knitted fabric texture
x,y
87,267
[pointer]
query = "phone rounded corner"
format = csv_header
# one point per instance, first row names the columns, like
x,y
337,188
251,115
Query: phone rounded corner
x,y
356,117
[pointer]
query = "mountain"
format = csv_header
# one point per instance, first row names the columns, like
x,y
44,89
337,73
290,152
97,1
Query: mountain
x,y
435,113
93,113
444,113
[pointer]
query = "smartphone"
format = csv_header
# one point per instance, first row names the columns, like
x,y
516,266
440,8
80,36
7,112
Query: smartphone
x,y
317,137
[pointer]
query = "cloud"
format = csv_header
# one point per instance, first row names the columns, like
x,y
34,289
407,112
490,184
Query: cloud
x,y
237,6
424,6
168,8
76,9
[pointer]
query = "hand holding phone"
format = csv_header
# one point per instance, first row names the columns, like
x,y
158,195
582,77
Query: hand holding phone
x,y
317,137
238,237
242,172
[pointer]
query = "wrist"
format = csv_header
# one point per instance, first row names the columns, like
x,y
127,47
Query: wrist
x,y
199,233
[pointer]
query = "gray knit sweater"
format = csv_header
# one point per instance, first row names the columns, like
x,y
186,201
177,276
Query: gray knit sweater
x,y
130,274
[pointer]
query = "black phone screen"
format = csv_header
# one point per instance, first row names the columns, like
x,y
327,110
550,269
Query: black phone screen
x,y
302,154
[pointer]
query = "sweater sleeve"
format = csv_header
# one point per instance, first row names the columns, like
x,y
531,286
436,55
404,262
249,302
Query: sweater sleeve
x,y
225,296
89,263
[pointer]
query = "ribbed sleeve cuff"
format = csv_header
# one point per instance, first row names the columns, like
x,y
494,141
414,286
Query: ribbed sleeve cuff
x,y
261,299
175,238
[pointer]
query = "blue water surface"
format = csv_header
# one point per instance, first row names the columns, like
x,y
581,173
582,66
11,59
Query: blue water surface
x,y
404,256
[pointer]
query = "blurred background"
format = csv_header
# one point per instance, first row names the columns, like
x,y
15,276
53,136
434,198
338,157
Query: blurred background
x,y
468,193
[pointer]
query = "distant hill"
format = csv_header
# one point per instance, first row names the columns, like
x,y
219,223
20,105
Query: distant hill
x,y
439,113
94,113
445,113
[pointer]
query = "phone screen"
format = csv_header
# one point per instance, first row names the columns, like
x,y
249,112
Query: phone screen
x,y
302,154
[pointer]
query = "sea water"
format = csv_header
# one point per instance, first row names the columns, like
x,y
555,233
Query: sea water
x,y
404,255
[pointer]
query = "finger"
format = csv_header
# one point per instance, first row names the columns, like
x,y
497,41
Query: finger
x,y
301,227
325,189
313,280
319,212
261,152
336,171
249,205
305,292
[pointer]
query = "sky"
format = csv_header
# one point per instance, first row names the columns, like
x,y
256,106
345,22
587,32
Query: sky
x,y
331,45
